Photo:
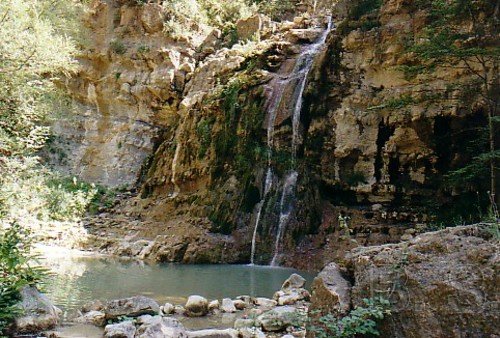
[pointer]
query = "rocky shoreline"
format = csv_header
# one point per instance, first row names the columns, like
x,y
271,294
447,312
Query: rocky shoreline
x,y
283,316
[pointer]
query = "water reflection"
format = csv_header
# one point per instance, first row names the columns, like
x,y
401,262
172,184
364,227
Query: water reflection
x,y
78,280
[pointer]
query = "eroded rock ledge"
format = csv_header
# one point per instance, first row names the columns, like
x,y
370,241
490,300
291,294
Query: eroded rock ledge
x,y
440,284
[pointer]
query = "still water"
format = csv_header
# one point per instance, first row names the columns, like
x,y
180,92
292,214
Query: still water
x,y
78,280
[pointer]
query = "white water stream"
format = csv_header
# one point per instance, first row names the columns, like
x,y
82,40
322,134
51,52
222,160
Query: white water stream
x,y
300,72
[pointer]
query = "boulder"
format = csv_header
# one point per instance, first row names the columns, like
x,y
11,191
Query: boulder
x,y
39,313
295,281
196,306
131,307
164,327
212,333
241,323
120,330
442,284
240,304
228,306
330,291
167,309
251,333
214,305
248,28
96,318
265,302
291,297
279,318
96,305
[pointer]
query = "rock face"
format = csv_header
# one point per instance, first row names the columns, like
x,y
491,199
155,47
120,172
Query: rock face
x,y
186,122
440,284
39,313
131,307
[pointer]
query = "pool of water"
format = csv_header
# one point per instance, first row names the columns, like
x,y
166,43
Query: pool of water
x,y
78,280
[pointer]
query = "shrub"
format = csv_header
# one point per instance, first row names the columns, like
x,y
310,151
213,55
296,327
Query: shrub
x,y
16,271
360,321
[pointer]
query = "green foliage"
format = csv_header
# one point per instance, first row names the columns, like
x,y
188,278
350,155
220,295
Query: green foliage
x,y
189,18
204,133
118,47
16,271
276,9
360,321
362,15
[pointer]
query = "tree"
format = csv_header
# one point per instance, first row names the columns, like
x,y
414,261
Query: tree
x,y
463,34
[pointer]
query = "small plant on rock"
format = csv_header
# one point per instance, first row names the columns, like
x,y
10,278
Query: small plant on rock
x,y
362,320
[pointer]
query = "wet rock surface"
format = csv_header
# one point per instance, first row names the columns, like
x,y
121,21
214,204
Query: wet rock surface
x,y
131,307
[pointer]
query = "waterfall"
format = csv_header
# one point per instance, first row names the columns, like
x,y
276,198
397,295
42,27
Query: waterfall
x,y
300,72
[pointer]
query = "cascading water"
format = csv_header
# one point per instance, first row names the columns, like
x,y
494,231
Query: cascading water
x,y
300,73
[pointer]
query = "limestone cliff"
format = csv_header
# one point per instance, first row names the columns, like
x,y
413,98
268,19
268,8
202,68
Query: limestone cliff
x,y
186,123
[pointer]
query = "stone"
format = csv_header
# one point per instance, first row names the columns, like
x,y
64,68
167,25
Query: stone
x,y
196,306
228,306
96,318
295,281
167,309
244,322
179,310
152,17
39,313
96,305
213,333
279,318
214,305
291,297
250,27
247,299
330,292
121,330
251,333
240,304
165,327
131,307
265,302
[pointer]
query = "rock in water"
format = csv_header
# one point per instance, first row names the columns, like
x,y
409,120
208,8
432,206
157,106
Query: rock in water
x,y
228,306
131,307
167,309
156,327
39,313
120,330
295,281
96,318
214,305
196,306
265,302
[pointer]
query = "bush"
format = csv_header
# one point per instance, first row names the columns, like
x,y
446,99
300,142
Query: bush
x,y
360,321
16,271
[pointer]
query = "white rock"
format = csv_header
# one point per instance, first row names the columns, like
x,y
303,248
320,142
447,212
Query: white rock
x,y
120,330
228,306
196,306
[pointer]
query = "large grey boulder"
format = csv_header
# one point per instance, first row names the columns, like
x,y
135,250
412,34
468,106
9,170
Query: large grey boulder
x,y
196,306
279,318
120,330
295,281
39,313
330,292
131,307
